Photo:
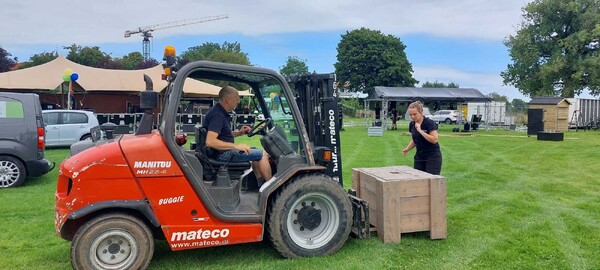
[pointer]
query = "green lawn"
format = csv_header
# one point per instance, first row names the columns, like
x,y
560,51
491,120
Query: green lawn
x,y
513,203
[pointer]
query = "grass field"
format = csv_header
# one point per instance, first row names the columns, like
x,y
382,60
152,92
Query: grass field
x,y
513,203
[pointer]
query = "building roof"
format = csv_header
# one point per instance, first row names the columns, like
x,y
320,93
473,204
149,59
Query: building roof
x,y
427,94
48,76
547,100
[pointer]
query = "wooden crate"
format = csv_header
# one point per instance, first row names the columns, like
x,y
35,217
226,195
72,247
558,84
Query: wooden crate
x,y
401,200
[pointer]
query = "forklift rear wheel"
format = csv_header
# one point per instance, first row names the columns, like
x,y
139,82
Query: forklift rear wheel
x,y
310,217
112,241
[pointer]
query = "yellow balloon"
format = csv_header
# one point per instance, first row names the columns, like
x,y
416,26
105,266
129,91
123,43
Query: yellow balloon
x,y
68,71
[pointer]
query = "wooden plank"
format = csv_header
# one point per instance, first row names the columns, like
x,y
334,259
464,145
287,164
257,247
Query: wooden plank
x,y
356,181
438,228
395,173
373,216
413,205
415,188
415,223
384,223
368,183
391,216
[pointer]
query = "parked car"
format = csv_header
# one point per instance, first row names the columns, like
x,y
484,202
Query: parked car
x,y
426,113
447,116
21,139
65,127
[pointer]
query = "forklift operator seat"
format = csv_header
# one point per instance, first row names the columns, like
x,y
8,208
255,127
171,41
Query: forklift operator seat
x,y
211,165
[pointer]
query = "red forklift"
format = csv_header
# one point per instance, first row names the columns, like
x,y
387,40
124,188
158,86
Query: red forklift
x,y
114,197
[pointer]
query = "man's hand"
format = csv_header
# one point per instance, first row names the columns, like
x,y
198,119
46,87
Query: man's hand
x,y
242,147
245,129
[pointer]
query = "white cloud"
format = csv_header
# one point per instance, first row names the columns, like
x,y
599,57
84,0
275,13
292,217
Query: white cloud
x,y
92,22
486,83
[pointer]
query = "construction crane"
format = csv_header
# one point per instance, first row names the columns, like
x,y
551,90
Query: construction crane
x,y
146,31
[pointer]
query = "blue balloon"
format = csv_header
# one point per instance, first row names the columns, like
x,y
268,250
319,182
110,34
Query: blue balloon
x,y
74,76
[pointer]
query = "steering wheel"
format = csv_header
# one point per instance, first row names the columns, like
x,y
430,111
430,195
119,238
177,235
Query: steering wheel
x,y
260,127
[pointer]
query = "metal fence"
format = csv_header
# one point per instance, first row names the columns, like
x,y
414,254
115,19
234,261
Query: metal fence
x,y
127,123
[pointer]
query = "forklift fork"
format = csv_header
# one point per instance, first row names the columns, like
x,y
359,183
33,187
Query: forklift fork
x,y
361,228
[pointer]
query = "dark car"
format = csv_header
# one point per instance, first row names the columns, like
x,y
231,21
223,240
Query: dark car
x,y
21,139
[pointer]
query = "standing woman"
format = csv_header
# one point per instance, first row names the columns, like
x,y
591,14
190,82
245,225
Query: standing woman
x,y
425,138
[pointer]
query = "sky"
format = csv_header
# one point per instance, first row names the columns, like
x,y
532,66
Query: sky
x,y
458,41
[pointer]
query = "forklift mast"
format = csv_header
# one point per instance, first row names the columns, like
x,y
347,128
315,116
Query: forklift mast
x,y
317,100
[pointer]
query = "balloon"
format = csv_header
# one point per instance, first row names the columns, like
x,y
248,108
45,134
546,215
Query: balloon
x,y
68,71
74,76
66,78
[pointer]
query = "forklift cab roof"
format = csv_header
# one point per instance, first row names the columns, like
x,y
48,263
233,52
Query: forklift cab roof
x,y
230,72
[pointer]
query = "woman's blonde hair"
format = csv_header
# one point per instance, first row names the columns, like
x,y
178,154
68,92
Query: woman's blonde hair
x,y
416,105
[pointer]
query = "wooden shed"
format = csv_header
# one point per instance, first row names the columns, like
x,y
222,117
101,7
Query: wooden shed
x,y
556,112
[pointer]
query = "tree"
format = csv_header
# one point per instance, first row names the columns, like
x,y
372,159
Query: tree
x,y
147,63
556,49
132,60
519,103
437,84
225,53
497,97
294,66
38,59
367,58
91,57
6,62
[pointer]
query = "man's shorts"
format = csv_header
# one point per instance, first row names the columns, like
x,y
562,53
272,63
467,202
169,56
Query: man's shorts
x,y
255,154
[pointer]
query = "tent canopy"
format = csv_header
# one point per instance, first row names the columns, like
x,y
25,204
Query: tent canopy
x,y
48,76
427,94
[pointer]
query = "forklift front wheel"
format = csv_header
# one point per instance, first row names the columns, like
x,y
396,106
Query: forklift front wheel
x,y
112,241
310,217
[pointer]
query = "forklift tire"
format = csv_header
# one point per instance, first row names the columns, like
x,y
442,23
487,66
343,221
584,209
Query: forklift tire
x,y
311,216
112,241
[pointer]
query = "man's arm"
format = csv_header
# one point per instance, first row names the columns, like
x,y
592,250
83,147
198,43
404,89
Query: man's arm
x,y
213,142
245,129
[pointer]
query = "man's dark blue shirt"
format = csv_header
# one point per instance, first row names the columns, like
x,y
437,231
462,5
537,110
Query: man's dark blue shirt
x,y
217,120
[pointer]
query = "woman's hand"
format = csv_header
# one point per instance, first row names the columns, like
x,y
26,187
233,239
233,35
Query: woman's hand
x,y
418,127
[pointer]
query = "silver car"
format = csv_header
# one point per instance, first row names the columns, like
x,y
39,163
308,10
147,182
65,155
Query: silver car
x,y
65,127
447,116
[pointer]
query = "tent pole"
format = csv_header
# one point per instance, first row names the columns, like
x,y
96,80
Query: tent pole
x,y
62,95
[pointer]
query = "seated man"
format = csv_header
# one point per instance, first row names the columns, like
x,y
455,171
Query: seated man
x,y
221,138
